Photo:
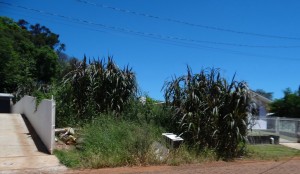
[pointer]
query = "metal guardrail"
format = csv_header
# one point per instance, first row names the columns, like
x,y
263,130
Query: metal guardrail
x,y
287,128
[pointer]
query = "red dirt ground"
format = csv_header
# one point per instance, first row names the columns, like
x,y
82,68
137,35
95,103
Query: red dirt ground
x,y
288,166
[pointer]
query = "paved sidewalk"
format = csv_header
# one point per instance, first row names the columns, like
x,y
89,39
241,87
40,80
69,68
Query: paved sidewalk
x,y
20,149
292,145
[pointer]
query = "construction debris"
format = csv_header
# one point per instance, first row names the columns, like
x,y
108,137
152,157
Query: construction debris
x,y
66,135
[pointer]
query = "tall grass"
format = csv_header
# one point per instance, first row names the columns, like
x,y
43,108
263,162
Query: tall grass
x,y
120,142
112,142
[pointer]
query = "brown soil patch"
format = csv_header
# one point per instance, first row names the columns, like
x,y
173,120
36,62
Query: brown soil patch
x,y
287,166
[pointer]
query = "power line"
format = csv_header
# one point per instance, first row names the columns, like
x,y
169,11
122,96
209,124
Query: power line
x,y
151,35
184,44
187,23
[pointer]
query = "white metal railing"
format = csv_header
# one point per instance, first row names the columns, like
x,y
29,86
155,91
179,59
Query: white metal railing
x,y
287,128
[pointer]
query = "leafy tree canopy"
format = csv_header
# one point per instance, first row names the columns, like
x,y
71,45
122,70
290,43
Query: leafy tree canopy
x,y
288,106
27,54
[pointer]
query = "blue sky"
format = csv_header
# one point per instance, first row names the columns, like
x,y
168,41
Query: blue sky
x,y
257,40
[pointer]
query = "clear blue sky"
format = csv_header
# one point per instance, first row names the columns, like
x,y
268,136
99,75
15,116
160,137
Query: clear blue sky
x,y
178,33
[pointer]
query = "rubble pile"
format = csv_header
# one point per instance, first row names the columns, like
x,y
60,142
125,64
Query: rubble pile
x,y
66,135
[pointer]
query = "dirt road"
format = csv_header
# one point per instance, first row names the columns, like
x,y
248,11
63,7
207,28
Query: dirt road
x,y
288,166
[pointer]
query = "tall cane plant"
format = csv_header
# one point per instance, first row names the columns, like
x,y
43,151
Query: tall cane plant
x,y
210,111
98,87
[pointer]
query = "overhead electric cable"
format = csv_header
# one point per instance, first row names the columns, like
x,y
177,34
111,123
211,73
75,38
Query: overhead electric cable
x,y
187,23
194,45
152,35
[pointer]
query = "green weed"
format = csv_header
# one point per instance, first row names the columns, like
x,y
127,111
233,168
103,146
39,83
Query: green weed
x,y
270,152
69,158
112,142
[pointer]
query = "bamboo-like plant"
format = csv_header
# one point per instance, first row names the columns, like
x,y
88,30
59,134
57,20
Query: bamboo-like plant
x,y
210,112
99,87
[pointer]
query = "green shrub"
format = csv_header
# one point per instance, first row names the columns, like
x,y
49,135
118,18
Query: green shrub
x,y
150,112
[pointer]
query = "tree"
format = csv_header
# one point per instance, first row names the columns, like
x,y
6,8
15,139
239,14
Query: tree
x,y
288,106
16,52
47,66
41,36
27,55
268,95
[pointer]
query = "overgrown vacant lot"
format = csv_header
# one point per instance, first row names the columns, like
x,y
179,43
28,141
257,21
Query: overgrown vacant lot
x,y
108,143
210,113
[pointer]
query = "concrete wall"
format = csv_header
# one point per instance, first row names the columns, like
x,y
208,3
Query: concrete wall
x,y
41,118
